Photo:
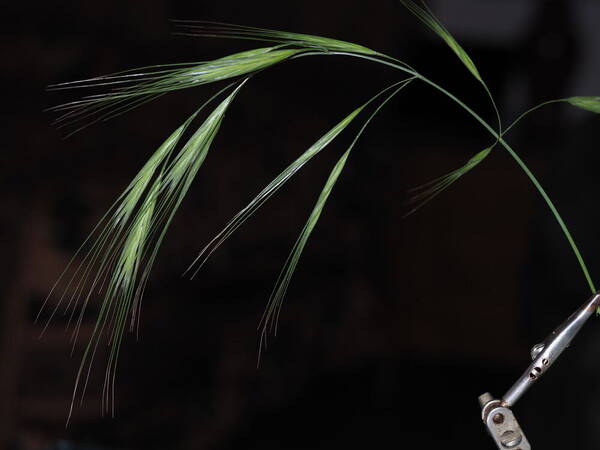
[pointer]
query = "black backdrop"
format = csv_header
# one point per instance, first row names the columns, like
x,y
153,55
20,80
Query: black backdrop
x,y
392,327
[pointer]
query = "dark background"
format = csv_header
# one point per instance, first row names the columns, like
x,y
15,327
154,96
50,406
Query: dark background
x,y
391,328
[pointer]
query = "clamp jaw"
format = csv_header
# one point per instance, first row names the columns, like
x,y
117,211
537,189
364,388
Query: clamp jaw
x,y
496,414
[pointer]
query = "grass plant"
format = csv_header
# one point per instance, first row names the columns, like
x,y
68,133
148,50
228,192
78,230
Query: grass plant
x,y
116,260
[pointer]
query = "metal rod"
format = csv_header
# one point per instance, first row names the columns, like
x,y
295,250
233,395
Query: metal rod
x,y
546,353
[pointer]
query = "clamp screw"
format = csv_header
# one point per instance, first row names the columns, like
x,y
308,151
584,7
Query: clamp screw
x,y
510,439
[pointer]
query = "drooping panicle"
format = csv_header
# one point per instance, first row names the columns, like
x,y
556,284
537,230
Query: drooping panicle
x,y
120,253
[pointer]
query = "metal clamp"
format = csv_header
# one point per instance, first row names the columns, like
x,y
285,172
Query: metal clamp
x,y
502,424
496,414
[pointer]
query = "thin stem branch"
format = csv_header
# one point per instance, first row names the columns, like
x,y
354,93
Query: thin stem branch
x,y
508,148
530,110
531,177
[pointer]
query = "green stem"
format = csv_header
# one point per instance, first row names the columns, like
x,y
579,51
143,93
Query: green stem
x,y
512,153
555,212
518,119
531,176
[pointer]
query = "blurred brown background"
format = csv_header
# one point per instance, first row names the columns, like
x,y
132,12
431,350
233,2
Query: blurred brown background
x,y
388,322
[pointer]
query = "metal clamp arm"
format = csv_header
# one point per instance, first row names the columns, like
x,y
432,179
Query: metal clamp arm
x,y
546,353
496,414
